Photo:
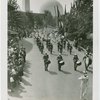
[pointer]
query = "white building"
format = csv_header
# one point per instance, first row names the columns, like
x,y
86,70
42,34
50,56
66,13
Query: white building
x,y
26,5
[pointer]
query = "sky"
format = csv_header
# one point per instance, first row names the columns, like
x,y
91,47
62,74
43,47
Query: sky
x,y
35,5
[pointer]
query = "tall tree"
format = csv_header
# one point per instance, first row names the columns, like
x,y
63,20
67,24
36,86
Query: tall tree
x,y
80,20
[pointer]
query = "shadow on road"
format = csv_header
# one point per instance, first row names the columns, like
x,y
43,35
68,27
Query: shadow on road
x,y
65,72
26,68
19,88
26,75
27,45
52,72
72,54
83,72
91,68
26,82
54,54
64,54
90,71
80,71
17,91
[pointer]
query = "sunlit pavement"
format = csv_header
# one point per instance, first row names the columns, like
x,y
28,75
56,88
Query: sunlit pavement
x,y
38,84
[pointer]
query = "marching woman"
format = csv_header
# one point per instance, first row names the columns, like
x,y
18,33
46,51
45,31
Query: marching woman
x,y
84,86
60,61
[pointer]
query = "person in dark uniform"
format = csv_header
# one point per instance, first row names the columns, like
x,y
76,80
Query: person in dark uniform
x,y
39,45
88,50
76,44
60,61
70,49
87,60
37,40
47,43
61,47
58,45
41,48
68,45
64,43
51,47
75,59
46,61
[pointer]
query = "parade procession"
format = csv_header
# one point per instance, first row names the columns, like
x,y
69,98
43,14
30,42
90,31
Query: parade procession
x,y
50,52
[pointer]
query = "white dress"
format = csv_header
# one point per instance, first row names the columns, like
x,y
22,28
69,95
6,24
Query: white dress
x,y
83,87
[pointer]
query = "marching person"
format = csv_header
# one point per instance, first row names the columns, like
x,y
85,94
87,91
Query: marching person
x,y
60,61
76,44
60,47
64,43
37,40
75,59
47,43
87,60
51,47
46,61
39,45
68,45
88,50
84,86
41,48
70,49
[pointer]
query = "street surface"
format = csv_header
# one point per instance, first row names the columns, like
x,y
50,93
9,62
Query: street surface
x,y
38,84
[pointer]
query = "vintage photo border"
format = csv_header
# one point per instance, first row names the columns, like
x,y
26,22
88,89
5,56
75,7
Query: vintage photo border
x,y
3,50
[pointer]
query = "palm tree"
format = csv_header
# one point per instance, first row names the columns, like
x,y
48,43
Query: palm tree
x,y
80,20
16,19
12,5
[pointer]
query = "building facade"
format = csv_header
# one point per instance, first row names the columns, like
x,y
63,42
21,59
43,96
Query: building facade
x,y
26,5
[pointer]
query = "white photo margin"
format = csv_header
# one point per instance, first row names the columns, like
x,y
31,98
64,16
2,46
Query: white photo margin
x,y
3,50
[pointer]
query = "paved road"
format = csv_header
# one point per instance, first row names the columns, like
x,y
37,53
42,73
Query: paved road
x,y
53,85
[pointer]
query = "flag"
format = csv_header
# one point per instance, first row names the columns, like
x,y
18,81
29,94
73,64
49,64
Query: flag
x,y
65,9
71,4
55,10
58,16
58,13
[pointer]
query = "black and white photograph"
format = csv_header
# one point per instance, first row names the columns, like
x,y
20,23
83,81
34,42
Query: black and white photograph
x,y
50,50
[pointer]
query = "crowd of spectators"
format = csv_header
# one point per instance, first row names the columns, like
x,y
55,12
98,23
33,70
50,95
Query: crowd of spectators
x,y
16,62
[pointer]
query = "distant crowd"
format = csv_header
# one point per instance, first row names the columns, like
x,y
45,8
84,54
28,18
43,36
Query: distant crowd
x,y
16,62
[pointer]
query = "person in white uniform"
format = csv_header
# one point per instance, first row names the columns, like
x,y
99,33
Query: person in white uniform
x,y
84,86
